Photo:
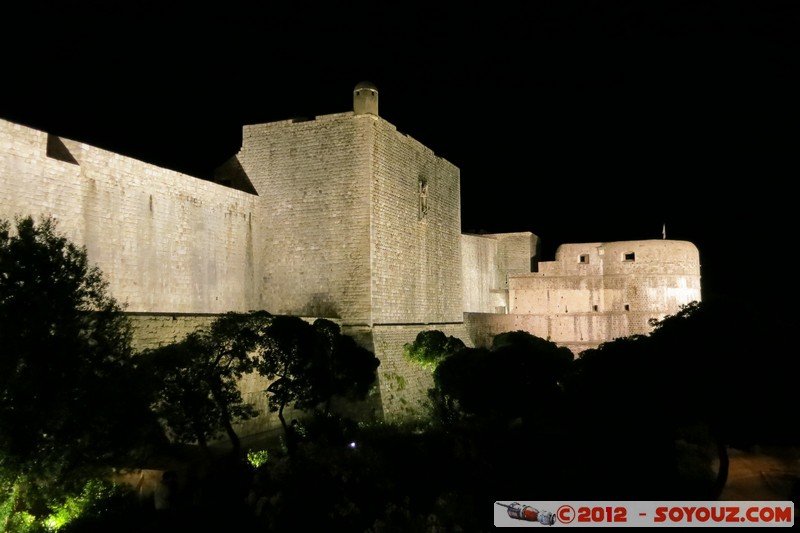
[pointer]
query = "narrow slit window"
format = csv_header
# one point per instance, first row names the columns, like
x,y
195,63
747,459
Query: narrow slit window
x,y
423,197
627,307
629,256
594,308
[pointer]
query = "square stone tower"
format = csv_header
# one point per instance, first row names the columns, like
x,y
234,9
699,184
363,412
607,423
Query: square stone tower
x,y
361,223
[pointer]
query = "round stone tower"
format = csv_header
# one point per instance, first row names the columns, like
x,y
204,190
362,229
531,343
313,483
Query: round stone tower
x,y
365,99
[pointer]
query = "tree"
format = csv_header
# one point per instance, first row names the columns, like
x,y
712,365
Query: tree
x,y
459,387
735,361
619,409
195,382
309,364
551,360
346,370
733,366
517,378
431,347
711,369
68,400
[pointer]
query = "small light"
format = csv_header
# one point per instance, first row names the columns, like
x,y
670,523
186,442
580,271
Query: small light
x,y
353,445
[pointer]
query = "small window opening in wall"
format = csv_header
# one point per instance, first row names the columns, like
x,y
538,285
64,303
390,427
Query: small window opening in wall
x,y
594,308
583,258
423,197
629,256
627,307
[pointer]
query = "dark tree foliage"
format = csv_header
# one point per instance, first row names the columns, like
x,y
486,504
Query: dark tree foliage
x,y
195,382
619,409
310,364
518,378
345,370
461,389
551,361
431,347
180,398
68,399
710,376
734,367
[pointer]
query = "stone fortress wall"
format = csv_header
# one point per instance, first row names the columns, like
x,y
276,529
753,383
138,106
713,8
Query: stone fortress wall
x,y
596,292
349,236
487,260
165,241
416,232
340,216
313,183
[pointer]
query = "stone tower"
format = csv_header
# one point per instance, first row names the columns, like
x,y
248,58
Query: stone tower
x,y
365,99
362,222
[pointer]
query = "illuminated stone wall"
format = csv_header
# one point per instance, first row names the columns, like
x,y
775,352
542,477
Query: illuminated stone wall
x,y
416,231
481,275
353,235
596,292
151,330
403,385
576,331
486,262
165,241
313,178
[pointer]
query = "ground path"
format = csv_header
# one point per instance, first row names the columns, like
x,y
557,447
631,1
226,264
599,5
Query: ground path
x,y
768,474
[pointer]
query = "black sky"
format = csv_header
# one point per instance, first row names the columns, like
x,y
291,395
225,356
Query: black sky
x,y
579,121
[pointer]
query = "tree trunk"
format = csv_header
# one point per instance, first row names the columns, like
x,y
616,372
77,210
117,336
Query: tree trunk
x,y
226,421
724,466
287,431
282,419
201,437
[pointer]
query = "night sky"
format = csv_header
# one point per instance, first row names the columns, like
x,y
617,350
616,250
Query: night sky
x,y
577,121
